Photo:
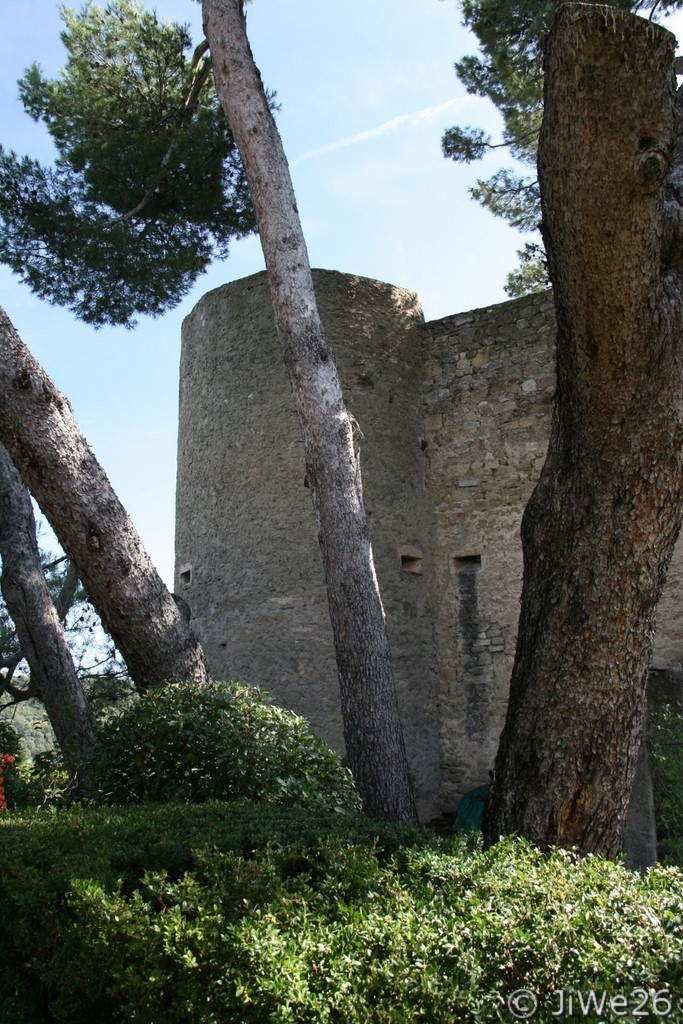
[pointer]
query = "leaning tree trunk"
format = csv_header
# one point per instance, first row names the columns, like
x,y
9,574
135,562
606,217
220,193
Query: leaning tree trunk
x,y
38,429
601,525
372,728
53,674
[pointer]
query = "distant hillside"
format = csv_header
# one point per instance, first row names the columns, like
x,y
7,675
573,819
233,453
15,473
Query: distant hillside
x,y
30,721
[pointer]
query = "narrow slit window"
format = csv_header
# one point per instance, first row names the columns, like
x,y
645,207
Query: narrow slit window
x,y
411,559
186,575
467,563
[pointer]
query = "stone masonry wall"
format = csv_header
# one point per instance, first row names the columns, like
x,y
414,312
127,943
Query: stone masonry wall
x,y
487,401
456,416
247,557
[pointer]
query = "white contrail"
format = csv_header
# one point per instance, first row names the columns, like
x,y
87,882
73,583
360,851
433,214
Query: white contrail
x,y
411,120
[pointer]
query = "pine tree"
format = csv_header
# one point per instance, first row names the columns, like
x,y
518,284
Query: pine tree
x,y
508,71
147,187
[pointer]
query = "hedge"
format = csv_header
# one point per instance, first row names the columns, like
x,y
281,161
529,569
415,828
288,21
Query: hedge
x,y
235,913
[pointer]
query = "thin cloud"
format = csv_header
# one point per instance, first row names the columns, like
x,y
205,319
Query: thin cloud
x,y
402,121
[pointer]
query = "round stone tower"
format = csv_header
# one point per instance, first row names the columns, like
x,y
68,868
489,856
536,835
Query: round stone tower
x,y
247,557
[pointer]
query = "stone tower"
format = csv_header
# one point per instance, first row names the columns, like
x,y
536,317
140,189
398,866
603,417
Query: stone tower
x,y
455,415
246,542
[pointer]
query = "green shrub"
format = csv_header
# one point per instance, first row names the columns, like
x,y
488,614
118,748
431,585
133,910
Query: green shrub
x,y
9,740
35,780
17,792
47,779
666,759
219,742
221,914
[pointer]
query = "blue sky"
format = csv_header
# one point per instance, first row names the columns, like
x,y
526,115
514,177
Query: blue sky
x,y
366,89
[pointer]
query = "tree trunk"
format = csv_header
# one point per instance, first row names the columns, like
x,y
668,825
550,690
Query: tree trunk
x,y
39,630
601,525
42,437
372,728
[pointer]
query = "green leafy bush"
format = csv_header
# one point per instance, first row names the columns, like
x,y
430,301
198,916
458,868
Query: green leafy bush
x,y
15,787
225,914
47,779
35,780
9,739
219,742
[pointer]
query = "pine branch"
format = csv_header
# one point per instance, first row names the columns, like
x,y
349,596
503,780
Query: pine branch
x,y
202,69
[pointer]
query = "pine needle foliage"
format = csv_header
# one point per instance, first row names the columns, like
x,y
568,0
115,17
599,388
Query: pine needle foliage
x,y
508,71
147,186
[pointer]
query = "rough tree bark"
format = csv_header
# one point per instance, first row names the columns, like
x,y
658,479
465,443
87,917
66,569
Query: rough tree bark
x,y
42,437
53,674
372,729
601,525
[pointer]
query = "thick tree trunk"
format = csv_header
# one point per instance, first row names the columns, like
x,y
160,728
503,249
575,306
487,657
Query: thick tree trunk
x,y
53,675
372,729
601,525
42,437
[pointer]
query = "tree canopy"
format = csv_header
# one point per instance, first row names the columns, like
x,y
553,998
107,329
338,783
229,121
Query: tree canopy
x,y
508,71
147,186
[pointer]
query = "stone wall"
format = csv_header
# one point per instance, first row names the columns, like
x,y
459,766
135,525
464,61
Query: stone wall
x,y
246,541
487,400
456,415
489,382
